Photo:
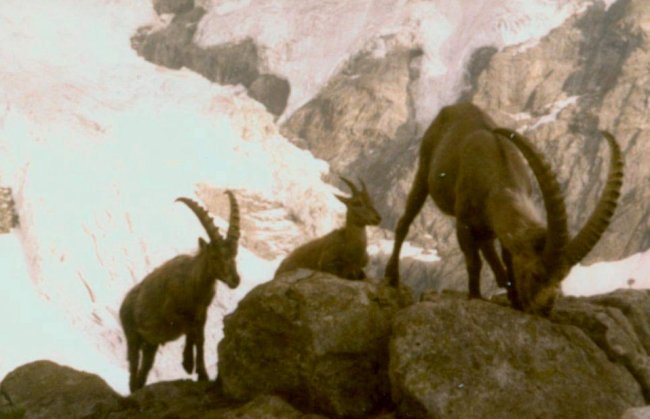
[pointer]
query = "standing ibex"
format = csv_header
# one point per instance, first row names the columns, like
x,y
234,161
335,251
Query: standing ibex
x,y
341,252
473,172
173,300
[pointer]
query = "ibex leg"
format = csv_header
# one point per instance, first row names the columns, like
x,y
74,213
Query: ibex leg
x,y
200,362
414,202
133,345
492,258
196,335
472,258
510,285
188,355
148,356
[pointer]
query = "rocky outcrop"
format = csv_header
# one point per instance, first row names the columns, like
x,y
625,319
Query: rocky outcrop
x,y
474,359
43,389
309,344
229,63
319,341
619,323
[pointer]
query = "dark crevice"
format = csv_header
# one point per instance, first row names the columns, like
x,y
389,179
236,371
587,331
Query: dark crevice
x,y
478,62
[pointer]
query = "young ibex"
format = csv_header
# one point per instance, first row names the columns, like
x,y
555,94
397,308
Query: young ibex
x,y
341,252
473,171
173,300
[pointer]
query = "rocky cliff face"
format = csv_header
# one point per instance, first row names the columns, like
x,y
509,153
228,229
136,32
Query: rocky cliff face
x,y
310,345
588,74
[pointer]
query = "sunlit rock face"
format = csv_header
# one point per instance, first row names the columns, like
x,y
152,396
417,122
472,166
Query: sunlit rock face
x,y
587,75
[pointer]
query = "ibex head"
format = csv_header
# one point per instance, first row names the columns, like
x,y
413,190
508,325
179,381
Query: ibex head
x,y
220,253
547,255
361,210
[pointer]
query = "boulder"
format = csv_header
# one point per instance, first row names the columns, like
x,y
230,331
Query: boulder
x,y
43,389
319,341
619,323
459,358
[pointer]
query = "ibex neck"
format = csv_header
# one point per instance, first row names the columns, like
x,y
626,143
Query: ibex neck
x,y
512,215
354,232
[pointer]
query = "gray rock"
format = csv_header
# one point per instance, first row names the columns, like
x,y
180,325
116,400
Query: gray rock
x,y
228,63
272,91
458,358
171,46
618,323
8,214
43,389
319,341
172,6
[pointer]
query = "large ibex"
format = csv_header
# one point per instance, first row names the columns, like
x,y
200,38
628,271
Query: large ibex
x,y
173,300
474,172
341,252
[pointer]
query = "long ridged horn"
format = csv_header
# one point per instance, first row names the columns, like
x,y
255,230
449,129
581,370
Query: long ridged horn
x,y
557,235
364,188
233,229
351,185
601,217
206,221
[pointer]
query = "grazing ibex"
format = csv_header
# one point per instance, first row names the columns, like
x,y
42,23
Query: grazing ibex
x,y
173,300
341,252
473,171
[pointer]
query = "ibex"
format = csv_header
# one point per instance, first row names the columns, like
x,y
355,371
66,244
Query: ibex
x,y
474,172
173,299
341,252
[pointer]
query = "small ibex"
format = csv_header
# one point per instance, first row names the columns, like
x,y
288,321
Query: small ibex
x,y
173,300
474,172
341,252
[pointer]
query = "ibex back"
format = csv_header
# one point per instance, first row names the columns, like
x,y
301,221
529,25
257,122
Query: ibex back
x,y
474,172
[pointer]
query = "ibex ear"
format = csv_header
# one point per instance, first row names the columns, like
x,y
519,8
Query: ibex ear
x,y
202,243
343,199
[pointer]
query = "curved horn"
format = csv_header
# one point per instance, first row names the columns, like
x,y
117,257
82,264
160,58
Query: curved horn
x,y
601,217
233,228
351,185
364,188
557,234
206,221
